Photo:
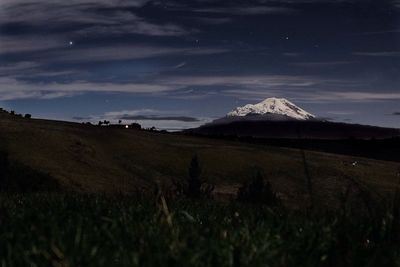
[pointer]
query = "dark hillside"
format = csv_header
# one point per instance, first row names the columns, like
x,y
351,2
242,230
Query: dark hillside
x,y
296,129
87,158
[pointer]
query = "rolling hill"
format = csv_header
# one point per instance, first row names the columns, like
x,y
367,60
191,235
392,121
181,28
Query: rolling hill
x,y
94,159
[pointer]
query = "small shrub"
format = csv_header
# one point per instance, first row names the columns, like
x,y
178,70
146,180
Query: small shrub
x,y
28,116
194,186
4,166
135,126
258,191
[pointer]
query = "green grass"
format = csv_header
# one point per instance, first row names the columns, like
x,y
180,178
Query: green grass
x,y
82,230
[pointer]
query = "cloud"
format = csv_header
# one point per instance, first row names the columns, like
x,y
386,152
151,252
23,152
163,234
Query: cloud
x,y
292,54
312,96
159,118
11,88
213,21
248,85
246,10
79,118
24,44
397,113
180,65
340,112
321,64
125,52
137,26
380,32
40,12
341,96
23,66
378,54
248,81
136,112
58,19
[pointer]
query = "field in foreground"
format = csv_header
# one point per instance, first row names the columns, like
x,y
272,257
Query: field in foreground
x,y
81,230
93,159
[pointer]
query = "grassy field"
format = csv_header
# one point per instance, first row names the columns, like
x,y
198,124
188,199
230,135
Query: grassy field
x,y
96,159
82,230
97,217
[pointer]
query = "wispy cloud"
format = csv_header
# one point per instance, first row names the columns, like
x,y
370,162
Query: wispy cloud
x,y
292,54
135,112
137,26
77,19
13,68
247,81
380,32
247,10
378,54
213,21
340,112
126,52
79,118
180,65
159,118
162,119
352,96
24,44
312,96
321,64
11,88
245,85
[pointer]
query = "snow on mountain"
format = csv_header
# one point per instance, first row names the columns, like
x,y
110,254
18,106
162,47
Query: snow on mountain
x,y
272,105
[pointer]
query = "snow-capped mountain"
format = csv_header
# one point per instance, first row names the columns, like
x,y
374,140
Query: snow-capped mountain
x,y
270,106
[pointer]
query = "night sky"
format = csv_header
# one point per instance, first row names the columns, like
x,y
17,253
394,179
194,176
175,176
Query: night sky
x,y
150,61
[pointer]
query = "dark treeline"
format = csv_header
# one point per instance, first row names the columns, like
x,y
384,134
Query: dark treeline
x,y
380,149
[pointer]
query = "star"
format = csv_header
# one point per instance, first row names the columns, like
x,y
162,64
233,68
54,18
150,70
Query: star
x,y
287,37
71,43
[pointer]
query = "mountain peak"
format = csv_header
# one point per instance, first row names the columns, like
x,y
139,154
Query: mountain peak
x,y
273,105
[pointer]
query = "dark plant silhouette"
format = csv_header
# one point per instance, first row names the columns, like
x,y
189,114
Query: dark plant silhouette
x,y
258,191
194,182
194,186
135,125
4,166
28,116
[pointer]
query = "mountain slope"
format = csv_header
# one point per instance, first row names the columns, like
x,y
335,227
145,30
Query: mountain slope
x,y
311,129
280,118
278,106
